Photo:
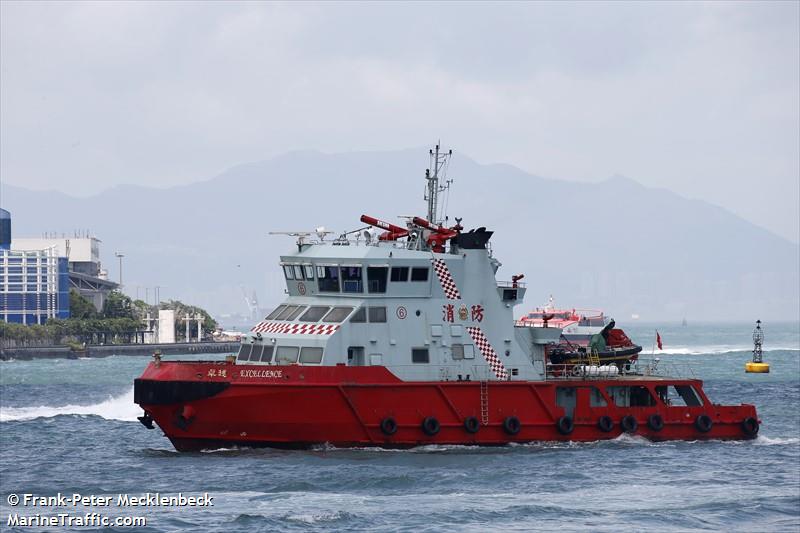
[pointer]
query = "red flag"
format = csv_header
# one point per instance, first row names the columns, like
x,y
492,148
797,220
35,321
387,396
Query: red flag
x,y
658,341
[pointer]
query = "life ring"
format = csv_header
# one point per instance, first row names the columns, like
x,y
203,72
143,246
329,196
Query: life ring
x,y
512,425
629,424
605,424
430,426
565,425
703,423
471,424
655,422
389,426
750,426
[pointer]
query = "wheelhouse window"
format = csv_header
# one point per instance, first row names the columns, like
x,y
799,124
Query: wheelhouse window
x,y
255,355
377,314
314,313
399,274
420,355
419,274
337,314
288,271
275,313
290,312
328,278
266,356
244,352
376,279
311,355
286,355
308,270
359,316
298,271
351,279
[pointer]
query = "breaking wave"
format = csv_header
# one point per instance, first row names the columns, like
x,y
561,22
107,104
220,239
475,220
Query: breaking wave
x,y
717,349
114,408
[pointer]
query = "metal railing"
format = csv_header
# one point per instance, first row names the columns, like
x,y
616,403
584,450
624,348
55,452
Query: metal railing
x,y
510,284
639,368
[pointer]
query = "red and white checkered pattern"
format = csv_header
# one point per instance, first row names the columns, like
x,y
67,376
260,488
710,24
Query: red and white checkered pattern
x,y
446,280
295,329
488,352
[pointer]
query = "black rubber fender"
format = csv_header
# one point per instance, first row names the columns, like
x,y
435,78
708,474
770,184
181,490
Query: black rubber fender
x,y
750,426
565,425
512,425
605,423
430,426
703,423
655,422
471,424
629,424
389,426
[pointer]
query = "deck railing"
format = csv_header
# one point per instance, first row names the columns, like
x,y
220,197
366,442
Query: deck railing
x,y
639,368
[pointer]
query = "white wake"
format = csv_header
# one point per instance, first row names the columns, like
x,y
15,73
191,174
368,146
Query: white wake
x,y
114,408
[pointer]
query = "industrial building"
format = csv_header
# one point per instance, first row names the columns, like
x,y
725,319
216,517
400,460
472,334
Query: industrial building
x,y
34,284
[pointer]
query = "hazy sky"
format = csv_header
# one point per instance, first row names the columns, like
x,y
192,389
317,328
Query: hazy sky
x,y
699,98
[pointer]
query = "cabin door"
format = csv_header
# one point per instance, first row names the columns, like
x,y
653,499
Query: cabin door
x,y
355,356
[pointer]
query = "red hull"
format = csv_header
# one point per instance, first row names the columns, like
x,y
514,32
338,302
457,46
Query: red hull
x,y
202,405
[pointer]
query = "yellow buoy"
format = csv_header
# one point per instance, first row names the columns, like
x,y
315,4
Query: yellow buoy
x,y
758,368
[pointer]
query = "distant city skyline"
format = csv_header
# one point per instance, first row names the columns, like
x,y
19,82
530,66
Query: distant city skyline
x,y
698,98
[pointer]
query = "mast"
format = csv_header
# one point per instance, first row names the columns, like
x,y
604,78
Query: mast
x,y
438,163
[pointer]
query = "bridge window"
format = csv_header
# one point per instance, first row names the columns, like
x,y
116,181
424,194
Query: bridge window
x,y
399,274
328,278
337,314
419,274
351,279
309,271
311,355
376,279
298,271
314,313
359,316
286,355
274,314
377,314
255,355
266,357
288,271
420,355
290,312
244,352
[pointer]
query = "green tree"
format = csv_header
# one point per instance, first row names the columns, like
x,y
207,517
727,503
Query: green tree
x,y
118,305
80,307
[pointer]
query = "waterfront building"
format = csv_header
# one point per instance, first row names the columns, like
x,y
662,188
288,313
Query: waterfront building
x,y
83,256
34,284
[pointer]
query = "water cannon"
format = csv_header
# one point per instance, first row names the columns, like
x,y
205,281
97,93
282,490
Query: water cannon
x,y
439,235
392,232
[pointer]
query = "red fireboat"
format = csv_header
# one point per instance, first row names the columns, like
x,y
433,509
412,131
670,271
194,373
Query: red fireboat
x,y
403,336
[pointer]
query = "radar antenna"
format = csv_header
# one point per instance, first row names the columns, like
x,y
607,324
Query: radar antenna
x,y
439,162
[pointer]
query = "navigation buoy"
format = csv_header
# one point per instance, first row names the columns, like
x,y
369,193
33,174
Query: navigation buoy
x,y
757,365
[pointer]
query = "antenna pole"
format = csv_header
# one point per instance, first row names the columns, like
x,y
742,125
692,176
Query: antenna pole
x,y
438,161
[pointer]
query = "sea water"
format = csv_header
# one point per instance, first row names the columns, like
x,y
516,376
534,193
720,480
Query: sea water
x,y
69,426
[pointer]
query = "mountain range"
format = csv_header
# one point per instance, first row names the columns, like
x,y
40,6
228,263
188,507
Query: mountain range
x,y
613,245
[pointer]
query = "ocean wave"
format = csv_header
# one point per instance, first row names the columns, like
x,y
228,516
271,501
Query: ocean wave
x,y
761,440
114,408
718,349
